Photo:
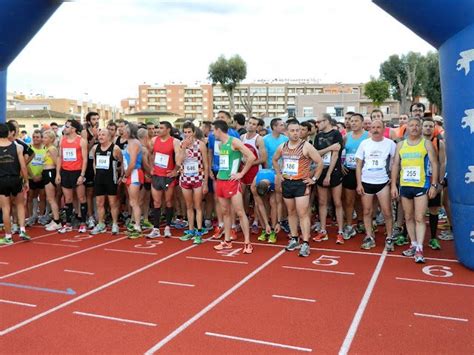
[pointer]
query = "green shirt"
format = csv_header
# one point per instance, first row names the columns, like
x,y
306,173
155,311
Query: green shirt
x,y
229,160
36,164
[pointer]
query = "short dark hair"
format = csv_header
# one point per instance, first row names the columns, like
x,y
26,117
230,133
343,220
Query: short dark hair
x,y
225,113
350,113
166,124
25,132
53,124
274,122
307,125
206,123
342,124
417,104
222,125
261,122
262,187
376,110
292,121
90,114
428,119
112,124
189,124
11,127
4,130
76,125
360,116
239,118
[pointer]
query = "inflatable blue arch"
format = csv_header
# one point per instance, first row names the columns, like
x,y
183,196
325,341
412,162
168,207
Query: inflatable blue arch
x,y
446,24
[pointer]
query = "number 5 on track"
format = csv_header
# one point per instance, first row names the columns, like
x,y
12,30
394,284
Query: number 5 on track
x,y
326,260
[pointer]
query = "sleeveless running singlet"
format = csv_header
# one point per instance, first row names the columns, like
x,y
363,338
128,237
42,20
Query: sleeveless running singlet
x,y
71,154
163,156
229,160
295,164
414,161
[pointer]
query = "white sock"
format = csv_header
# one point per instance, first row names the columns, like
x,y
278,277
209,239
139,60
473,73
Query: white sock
x,y
8,236
414,244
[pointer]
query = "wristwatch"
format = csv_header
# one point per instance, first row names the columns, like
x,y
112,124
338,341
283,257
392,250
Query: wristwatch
x,y
314,178
435,185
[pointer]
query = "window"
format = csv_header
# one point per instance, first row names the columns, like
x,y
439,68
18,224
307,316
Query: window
x,y
339,111
35,125
308,112
385,109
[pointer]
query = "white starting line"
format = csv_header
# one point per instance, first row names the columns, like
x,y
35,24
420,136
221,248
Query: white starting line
x,y
218,260
294,298
123,320
4,263
18,303
434,282
440,317
56,245
175,283
317,270
131,251
79,272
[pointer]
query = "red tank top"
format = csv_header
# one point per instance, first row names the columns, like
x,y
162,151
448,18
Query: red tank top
x,y
386,132
163,156
71,154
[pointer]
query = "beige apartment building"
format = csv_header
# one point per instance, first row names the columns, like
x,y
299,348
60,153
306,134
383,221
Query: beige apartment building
x,y
30,120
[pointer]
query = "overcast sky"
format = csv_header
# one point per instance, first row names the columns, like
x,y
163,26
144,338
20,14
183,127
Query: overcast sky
x,y
106,48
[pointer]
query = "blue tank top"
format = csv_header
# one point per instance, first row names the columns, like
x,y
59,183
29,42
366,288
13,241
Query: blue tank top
x,y
126,158
351,148
266,174
271,145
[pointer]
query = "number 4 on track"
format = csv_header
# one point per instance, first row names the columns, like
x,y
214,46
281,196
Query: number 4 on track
x,y
230,252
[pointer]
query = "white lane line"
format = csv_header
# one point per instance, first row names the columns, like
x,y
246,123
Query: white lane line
x,y
434,282
4,263
131,251
175,283
294,298
60,258
427,258
27,241
218,260
91,292
317,270
440,317
56,245
18,303
211,305
79,272
255,341
346,345
123,320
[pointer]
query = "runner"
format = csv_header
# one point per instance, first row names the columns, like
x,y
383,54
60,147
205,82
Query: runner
x,y
411,159
374,158
329,144
106,156
133,177
147,167
71,170
228,187
12,169
36,185
163,180
49,178
297,156
434,204
352,142
89,133
193,180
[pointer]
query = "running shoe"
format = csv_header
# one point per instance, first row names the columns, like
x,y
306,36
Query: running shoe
x,y
146,224
446,235
293,244
82,228
208,224
316,226
44,220
15,229
434,244
304,250
197,238
99,228
248,248
360,228
130,226
90,223
115,229
24,236
167,232
419,258
254,228
233,234
223,245
30,221
402,240
397,231
272,237
188,235
285,226
135,234
340,238
53,226
322,235
348,232
179,223
262,237
155,233
368,243
6,241
410,251
66,228
218,231
389,244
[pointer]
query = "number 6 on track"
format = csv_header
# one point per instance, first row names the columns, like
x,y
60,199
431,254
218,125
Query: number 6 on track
x,y
437,271
326,260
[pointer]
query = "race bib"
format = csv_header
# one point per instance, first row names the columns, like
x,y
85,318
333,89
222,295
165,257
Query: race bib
x,y
290,166
375,164
69,154
102,162
351,161
223,162
161,160
217,147
191,168
38,160
412,174
327,159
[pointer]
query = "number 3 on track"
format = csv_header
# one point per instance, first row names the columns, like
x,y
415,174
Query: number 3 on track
x,y
326,260
438,271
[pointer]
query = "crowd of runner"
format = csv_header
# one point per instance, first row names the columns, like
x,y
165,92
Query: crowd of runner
x,y
232,175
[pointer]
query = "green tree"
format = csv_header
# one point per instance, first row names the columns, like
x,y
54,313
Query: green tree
x,y
228,73
432,83
406,75
377,90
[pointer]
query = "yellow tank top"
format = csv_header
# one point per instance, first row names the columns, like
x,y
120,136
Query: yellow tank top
x,y
37,163
47,159
414,162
